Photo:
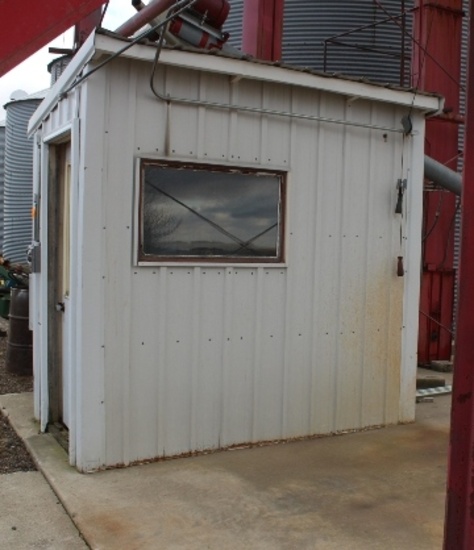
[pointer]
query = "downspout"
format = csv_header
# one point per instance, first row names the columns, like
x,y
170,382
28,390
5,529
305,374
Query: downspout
x,y
442,175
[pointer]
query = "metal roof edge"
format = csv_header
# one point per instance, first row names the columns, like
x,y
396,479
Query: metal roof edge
x,y
245,67
102,42
83,56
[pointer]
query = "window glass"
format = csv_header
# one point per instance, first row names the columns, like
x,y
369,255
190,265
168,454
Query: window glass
x,y
204,212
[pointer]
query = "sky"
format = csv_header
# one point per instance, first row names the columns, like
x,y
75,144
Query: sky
x,y
32,75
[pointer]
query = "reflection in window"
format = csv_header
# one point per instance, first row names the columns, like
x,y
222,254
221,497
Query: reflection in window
x,y
195,212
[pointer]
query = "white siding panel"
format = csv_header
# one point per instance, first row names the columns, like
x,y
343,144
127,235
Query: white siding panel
x,y
238,357
269,375
208,403
116,230
205,356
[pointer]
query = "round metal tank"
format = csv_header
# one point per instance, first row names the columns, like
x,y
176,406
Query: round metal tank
x,y
19,356
58,66
17,226
350,37
2,177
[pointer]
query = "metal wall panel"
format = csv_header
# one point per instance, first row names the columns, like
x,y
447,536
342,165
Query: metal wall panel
x,y
308,25
18,180
2,178
206,356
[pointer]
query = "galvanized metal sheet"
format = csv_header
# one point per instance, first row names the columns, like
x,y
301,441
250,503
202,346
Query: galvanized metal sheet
x,y
18,180
2,179
462,111
356,38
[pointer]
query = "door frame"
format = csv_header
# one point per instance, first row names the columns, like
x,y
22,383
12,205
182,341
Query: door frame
x,y
51,384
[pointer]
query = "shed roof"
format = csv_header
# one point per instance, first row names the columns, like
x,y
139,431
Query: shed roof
x,y
103,43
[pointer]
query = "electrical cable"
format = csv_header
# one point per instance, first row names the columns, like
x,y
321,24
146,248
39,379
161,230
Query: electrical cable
x,y
437,214
180,6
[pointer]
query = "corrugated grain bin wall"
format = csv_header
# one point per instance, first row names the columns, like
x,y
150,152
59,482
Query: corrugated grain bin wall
x,y
307,25
58,66
18,180
462,111
2,178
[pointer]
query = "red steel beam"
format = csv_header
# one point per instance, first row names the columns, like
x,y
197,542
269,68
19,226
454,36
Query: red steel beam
x,y
28,25
459,526
263,28
438,31
86,26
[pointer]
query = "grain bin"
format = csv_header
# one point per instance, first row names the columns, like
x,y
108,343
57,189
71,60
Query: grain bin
x,y
57,66
18,176
352,37
2,177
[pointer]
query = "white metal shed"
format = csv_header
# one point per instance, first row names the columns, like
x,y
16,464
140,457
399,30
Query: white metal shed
x,y
224,266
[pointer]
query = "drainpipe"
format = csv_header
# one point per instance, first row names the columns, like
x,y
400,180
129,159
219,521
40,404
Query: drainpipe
x,y
442,175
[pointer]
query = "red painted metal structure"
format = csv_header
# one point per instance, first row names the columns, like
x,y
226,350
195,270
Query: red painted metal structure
x,y
86,26
29,25
459,525
262,30
438,31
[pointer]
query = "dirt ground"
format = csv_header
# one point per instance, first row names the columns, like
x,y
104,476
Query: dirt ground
x,y
13,455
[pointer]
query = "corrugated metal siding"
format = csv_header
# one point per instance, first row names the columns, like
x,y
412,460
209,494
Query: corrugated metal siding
x,y
18,180
462,111
58,66
208,356
2,179
307,25
233,25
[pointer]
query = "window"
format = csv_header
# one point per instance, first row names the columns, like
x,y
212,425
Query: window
x,y
210,213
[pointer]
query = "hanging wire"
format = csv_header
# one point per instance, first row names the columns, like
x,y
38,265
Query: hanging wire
x,y
437,214
180,6
423,48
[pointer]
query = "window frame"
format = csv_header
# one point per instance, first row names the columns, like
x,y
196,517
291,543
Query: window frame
x,y
153,259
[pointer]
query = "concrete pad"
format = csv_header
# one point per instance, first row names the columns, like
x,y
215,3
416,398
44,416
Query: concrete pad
x,y
32,516
380,489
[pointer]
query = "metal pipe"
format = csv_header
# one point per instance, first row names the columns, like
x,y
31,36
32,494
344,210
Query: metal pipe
x,y
144,16
442,175
262,111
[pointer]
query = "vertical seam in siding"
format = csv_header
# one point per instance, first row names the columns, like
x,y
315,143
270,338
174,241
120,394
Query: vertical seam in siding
x,y
257,350
162,362
195,353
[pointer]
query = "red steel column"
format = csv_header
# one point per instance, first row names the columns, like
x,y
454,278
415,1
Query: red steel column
x,y
459,527
438,30
29,25
263,28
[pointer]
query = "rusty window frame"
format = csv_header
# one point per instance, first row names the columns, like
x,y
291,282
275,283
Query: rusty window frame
x,y
280,177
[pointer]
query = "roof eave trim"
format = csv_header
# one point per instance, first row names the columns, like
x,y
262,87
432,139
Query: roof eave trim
x,y
428,104
83,56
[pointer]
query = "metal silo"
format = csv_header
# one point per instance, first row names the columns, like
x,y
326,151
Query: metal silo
x,y
2,177
353,37
58,66
17,201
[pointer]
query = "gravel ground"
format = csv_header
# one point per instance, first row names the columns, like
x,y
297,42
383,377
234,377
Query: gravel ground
x,y
13,454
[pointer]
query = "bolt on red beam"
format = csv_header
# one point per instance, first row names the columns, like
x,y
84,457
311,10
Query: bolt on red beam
x,y
29,25
459,525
